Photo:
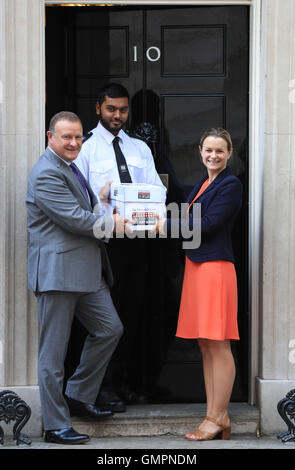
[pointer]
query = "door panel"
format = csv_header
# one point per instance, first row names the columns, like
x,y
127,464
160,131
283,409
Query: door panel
x,y
117,52
186,69
91,46
200,80
176,114
183,51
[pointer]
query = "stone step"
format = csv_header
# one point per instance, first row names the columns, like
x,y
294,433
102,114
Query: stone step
x,y
161,419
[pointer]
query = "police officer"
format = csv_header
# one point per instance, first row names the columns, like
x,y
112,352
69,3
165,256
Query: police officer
x,y
110,154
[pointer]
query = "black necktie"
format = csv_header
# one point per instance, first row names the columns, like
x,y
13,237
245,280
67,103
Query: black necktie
x,y
121,162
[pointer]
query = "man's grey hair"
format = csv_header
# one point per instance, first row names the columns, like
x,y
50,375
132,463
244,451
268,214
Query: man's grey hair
x,y
63,115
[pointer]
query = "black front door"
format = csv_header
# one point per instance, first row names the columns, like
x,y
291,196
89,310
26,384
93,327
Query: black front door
x,y
186,69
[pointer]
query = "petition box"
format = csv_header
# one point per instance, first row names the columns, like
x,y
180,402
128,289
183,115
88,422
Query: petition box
x,y
139,202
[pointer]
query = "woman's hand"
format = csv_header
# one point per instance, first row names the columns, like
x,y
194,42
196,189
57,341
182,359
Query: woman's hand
x,y
160,226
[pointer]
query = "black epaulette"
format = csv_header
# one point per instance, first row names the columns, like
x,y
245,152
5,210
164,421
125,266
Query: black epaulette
x,y
87,136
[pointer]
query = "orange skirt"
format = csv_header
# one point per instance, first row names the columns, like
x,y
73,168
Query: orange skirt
x,y
209,301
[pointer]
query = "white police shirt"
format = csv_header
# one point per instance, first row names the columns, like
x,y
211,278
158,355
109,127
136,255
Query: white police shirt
x,y
97,159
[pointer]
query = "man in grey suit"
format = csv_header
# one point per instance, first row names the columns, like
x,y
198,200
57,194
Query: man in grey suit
x,y
68,270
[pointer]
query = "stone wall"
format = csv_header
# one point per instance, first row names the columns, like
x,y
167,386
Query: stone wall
x,y
21,128
277,326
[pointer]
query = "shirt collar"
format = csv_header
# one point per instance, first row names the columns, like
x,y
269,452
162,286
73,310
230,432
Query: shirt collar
x,y
107,135
67,163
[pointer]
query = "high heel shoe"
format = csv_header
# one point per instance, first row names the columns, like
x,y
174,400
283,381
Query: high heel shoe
x,y
223,431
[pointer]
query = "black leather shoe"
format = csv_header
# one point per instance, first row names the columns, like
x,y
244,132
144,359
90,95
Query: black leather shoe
x,y
108,400
129,396
86,410
65,436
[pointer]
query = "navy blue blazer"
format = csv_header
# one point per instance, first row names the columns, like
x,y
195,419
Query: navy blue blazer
x,y
220,204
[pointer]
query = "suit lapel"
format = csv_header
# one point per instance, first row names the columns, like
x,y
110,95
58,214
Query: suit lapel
x,y
92,196
196,189
70,174
64,168
211,186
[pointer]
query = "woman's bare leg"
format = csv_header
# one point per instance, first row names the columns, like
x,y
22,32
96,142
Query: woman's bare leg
x,y
219,376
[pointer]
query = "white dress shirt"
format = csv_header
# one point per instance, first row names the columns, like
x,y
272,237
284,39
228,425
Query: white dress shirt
x,y
69,164
97,160
100,208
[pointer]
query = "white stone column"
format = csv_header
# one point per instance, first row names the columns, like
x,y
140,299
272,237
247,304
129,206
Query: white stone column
x,y
21,129
277,332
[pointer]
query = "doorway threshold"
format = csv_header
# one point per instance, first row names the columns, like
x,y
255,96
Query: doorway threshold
x,y
166,419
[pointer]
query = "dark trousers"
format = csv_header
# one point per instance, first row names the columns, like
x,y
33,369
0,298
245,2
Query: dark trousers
x,y
57,310
129,261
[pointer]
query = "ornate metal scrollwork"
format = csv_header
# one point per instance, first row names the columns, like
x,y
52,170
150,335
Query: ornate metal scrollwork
x,y
13,408
148,133
145,131
286,409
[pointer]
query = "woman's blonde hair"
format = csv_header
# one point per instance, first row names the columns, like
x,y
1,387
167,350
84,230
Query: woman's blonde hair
x,y
217,132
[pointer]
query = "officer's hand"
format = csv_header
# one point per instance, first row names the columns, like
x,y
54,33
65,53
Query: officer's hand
x,y
104,194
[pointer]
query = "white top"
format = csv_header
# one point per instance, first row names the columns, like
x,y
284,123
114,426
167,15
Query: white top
x,y
97,159
69,164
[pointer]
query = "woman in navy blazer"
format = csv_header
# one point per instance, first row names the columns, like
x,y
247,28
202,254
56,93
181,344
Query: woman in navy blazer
x,y
220,203
208,310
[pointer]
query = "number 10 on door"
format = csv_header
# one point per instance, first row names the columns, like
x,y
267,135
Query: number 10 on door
x,y
153,54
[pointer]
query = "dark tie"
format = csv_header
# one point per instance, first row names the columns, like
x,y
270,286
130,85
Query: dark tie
x,y
80,178
121,162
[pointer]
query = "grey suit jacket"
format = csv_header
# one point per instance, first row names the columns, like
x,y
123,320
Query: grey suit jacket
x,y
63,253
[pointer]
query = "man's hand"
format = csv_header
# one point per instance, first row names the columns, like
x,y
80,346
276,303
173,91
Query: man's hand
x,y
104,194
120,224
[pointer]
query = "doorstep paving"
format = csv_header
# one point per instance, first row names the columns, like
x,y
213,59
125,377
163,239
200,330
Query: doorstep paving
x,y
159,419
168,442
163,427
